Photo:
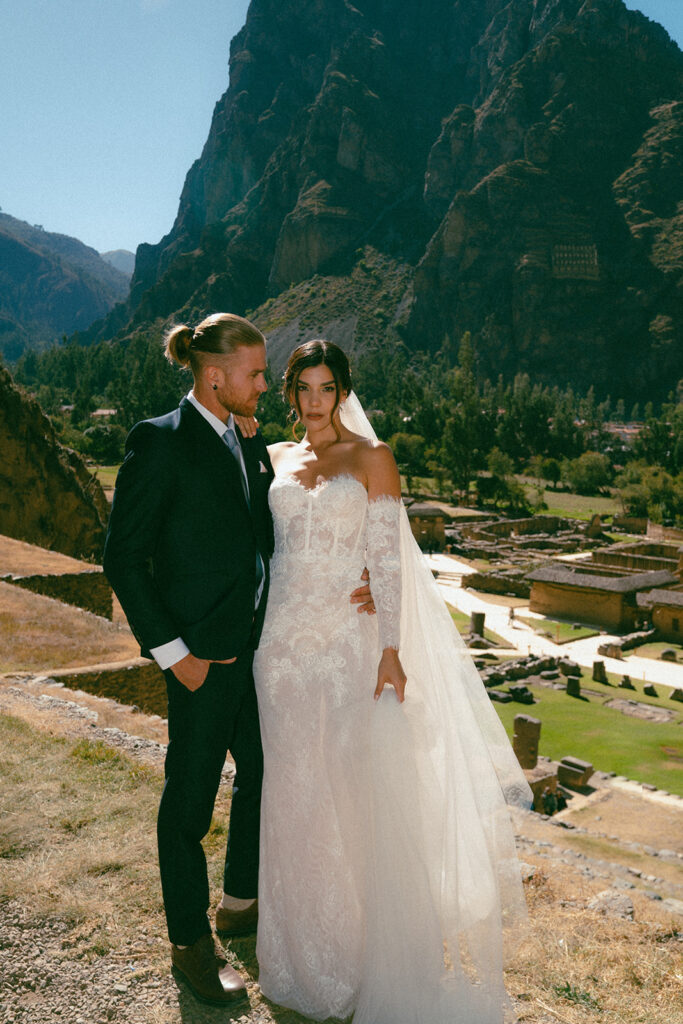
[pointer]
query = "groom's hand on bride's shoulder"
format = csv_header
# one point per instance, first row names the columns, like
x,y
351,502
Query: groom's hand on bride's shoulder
x,y
248,425
192,672
362,596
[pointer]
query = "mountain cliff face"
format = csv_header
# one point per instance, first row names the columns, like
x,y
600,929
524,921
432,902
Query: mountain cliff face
x,y
47,496
514,164
50,285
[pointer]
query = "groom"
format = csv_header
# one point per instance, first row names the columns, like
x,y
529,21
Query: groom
x,y
187,551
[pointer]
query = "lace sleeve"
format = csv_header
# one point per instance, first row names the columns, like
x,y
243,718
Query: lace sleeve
x,y
383,559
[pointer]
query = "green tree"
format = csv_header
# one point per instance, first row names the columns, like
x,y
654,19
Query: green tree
x,y
651,491
105,442
551,470
588,474
409,451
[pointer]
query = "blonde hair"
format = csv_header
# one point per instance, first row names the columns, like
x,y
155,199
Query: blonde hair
x,y
218,334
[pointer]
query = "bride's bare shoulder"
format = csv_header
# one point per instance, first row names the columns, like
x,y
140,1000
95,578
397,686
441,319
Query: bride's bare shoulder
x,y
279,450
280,446
380,470
378,455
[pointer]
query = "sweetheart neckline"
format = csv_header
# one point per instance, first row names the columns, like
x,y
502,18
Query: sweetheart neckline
x,y
322,483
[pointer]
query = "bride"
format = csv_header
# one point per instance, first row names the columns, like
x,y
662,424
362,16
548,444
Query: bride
x,y
388,864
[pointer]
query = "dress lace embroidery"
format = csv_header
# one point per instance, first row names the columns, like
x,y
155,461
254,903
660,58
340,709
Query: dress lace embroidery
x,y
384,564
384,834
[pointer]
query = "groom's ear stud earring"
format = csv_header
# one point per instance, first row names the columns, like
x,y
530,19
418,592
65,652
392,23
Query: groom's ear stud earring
x,y
215,387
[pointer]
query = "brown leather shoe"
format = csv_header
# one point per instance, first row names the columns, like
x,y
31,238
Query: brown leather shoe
x,y
230,923
207,973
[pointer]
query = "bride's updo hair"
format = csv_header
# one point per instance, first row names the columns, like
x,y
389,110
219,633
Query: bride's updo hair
x,y
316,353
218,334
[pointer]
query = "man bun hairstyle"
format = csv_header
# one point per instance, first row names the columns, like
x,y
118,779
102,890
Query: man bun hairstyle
x,y
177,345
218,334
316,353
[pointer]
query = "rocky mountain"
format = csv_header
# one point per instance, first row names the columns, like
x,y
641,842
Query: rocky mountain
x,y
379,173
47,496
121,259
50,285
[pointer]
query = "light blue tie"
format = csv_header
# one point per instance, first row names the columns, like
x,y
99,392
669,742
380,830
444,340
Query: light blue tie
x,y
233,444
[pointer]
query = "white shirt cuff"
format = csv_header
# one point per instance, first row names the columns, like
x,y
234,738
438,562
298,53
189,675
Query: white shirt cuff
x,y
169,654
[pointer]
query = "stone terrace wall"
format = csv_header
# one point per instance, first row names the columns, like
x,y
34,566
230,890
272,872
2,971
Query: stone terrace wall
x,y
515,527
139,682
88,590
670,533
633,560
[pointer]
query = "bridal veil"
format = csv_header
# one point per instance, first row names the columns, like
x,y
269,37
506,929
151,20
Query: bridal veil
x,y
444,882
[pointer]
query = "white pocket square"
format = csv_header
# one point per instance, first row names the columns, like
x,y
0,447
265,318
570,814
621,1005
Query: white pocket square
x,y
262,468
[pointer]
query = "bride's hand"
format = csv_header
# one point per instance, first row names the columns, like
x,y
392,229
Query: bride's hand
x,y
248,425
390,673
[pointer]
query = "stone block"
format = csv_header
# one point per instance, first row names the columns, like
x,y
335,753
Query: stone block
x,y
611,903
540,778
668,655
527,732
572,771
626,683
493,678
521,693
676,694
650,691
569,776
599,674
573,687
569,668
517,672
477,620
611,651
500,696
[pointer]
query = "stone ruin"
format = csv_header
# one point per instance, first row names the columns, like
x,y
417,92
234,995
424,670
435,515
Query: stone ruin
x,y
542,774
516,539
526,739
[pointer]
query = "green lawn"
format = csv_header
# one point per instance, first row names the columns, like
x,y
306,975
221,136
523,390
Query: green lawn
x,y
654,650
559,631
576,506
642,750
106,475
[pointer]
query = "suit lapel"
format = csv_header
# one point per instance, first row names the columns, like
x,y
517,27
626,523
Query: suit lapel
x,y
211,451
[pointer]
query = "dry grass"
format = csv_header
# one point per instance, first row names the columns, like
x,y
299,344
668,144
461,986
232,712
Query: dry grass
x,y
65,806
581,967
22,559
634,818
38,633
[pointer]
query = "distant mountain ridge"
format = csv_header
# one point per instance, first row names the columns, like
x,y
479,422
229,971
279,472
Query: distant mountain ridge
x,y
516,165
50,285
122,259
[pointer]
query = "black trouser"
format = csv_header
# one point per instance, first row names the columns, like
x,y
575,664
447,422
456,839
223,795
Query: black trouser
x,y
203,725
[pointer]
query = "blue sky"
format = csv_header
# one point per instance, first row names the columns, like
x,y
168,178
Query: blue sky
x,y
106,104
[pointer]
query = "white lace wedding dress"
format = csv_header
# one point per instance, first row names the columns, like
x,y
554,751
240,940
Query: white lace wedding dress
x,y
387,857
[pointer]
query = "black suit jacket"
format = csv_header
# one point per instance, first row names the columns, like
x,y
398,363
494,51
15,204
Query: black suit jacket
x,y
181,545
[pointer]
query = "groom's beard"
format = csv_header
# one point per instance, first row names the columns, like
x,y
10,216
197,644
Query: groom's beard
x,y
237,403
